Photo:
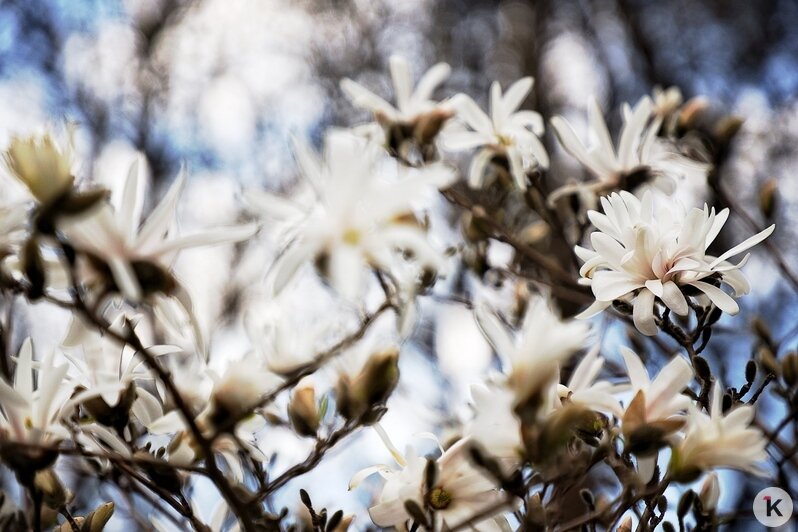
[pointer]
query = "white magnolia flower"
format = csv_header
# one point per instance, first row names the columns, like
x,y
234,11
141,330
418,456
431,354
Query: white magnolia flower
x,y
106,368
42,164
241,386
218,400
720,440
642,252
583,389
272,329
31,414
460,492
410,104
494,424
662,397
640,158
507,133
533,355
115,235
361,220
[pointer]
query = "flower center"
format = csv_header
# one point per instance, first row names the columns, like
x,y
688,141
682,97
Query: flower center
x,y
504,140
439,498
351,237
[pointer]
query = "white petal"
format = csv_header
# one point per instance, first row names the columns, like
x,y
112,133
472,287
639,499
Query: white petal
x,y
516,94
364,98
129,213
429,81
638,375
162,216
643,313
476,171
464,140
494,331
721,299
469,111
746,244
402,80
674,299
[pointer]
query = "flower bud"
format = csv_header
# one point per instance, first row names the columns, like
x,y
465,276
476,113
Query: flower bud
x,y
710,493
789,369
768,196
235,395
53,491
372,386
626,525
768,360
96,521
41,165
303,411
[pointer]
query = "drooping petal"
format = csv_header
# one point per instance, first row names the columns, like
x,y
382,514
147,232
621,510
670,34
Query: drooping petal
x,y
719,298
643,313
476,170
672,296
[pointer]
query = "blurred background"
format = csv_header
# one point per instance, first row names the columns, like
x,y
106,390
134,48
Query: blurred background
x,y
220,85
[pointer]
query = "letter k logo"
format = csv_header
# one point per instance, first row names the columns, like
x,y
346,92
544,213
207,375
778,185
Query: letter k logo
x,y
772,507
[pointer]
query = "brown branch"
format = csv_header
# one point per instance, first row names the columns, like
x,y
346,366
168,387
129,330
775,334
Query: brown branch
x,y
313,459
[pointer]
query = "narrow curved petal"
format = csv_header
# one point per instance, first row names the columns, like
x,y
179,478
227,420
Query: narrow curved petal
x,y
719,298
643,313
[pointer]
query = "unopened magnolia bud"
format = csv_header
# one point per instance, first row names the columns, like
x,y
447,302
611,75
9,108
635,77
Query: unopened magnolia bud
x,y
789,369
626,525
727,128
768,360
235,395
768,195
710,493
535,233
53,491
371,387
96,521
41,165
303,411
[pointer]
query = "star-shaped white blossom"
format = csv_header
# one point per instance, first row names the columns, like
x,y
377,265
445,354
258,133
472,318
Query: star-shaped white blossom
x,y
116,235
644,252
362,217
410,103
720,440
460,492
533,355
32,413
639,158
507,133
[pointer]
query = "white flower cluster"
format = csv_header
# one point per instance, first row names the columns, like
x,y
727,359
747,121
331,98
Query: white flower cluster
x,y
360,218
